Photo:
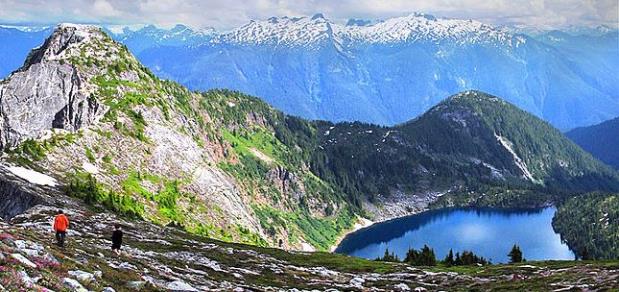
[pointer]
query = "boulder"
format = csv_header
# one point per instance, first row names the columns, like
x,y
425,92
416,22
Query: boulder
x,y
25,278
357,282
83,277
136,285
179,285
73,285
23,260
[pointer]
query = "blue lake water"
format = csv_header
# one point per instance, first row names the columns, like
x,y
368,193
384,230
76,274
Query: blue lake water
x,y
488,232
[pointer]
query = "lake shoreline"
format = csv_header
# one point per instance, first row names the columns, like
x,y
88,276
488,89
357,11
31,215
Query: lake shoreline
x,y
482,230
360,224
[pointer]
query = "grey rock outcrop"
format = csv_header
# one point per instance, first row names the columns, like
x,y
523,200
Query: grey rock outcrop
x,y
48,92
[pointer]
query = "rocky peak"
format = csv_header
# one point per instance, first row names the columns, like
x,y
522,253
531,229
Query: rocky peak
x,y
53,90
59,45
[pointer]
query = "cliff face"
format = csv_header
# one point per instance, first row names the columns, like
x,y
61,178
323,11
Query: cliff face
x,y
48,91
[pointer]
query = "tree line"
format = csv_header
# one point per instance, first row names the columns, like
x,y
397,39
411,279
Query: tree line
x,y
426,257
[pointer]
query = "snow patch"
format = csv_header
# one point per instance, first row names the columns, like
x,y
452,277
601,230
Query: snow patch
x,y
90,168
32,176
519,163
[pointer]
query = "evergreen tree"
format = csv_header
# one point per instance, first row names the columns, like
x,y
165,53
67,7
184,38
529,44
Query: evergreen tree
x,y
388,257
423,257
458,261
515,255
412,256
449,259
428,257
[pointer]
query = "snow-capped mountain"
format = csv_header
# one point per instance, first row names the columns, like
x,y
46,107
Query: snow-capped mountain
x,y
309,31
283,31
388,71
426,28
25,28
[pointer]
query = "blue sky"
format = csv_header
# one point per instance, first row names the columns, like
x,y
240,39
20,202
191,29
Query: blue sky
x,y
227,14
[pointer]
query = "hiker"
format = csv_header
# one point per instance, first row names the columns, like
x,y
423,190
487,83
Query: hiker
x,y
61,224
117,239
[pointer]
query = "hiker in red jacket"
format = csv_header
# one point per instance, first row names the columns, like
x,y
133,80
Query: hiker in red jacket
x,y
61,224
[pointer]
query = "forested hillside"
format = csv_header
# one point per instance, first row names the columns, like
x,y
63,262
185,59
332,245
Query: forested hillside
x,y
469,142
590,225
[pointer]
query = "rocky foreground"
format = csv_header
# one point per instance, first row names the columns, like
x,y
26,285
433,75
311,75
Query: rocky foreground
x,y
165,258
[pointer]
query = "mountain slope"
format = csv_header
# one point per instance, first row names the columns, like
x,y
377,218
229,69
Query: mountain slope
x,y
601,140
151,36
157,258
83,110
589,225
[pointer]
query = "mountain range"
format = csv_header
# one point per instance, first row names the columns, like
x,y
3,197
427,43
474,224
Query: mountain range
x,y
389,71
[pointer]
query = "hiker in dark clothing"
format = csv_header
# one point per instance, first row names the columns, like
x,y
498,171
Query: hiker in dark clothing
x,y
61,224
117,239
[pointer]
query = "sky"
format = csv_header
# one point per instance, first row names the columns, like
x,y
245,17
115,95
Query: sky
x,y
227,14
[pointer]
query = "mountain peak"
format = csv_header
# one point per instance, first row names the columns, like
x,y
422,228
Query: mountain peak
x,y
282,31
470,100
54,89
474,95
65,37
474,98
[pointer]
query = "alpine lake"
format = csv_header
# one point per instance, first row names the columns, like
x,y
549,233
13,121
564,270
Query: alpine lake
x,y
487,232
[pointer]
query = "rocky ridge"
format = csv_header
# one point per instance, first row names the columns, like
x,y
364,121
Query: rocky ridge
x,y
48,91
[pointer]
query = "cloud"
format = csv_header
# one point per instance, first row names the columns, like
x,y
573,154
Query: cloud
x,y
105,9
226,14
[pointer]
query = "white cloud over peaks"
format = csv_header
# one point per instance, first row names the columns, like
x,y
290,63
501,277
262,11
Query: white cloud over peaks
x,y
226,14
